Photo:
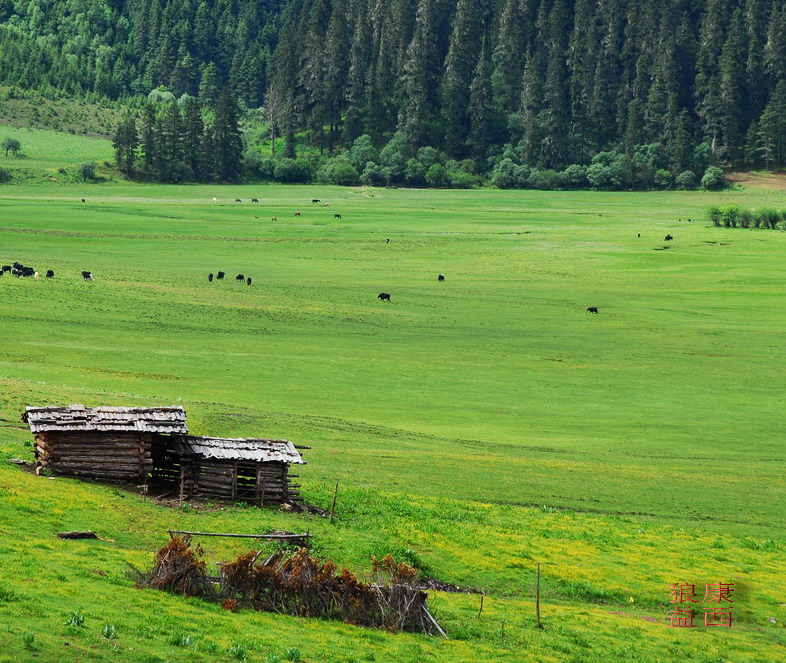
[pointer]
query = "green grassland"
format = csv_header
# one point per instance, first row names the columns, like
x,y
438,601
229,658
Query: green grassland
x,y
50,156
477,426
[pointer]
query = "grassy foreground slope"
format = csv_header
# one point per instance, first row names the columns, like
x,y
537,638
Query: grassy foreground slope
x,y
444,413
51,156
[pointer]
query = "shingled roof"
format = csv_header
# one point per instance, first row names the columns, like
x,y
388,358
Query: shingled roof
x,y
251,449
117,419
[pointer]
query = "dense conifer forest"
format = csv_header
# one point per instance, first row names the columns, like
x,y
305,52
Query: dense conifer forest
x,y
544,93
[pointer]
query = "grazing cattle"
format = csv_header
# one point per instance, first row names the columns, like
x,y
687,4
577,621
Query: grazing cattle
x,y
255,200
248,281
668,238
384,296
240,277
220,275
50,273
237,200
327,205
87,276
6,268
215,200
336,216
592,309
387,241
18,265
441,278
316,200
28,271
16,272
83,200
210,277
639,235
36,276
273,218
297,213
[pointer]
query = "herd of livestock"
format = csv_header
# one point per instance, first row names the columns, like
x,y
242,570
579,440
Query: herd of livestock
x,y
20,271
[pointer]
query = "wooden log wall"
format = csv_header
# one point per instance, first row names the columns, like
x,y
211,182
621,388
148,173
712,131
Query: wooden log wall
x,y
261,483
98,455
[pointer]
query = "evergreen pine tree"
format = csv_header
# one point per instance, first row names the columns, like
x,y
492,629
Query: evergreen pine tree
x,y
420,81
481,106
460,66
772,129
193,131
149,144
227,138
734,115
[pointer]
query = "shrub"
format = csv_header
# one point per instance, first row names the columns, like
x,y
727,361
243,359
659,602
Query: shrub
x,y
459,174
730,216
715,216
109,631
87,170
182,640
545,180
713,179
745,218
606,176
363,151
575,176
395,155
263,166
436,175
503,175
293,170
372,175
428,156
5,175
415,173
161,94
76,618
338,170
662,178
767,218
686,179
238,651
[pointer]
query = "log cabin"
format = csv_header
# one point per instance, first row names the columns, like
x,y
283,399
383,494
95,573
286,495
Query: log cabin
x,y
151,446
247,469
113,443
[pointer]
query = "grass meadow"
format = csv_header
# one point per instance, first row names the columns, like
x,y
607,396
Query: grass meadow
x,y
50,156
477,426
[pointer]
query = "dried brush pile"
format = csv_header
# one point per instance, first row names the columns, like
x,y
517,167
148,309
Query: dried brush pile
x,y
299,585
178,569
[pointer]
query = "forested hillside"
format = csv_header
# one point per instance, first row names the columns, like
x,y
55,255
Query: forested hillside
x,y
547,83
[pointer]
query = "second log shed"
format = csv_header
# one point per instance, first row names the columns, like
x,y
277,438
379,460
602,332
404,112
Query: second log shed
x,y
239,469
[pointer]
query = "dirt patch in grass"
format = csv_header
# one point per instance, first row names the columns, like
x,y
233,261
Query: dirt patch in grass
x,y
760,180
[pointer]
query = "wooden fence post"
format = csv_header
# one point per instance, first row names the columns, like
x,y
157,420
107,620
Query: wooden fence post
x,y
537,599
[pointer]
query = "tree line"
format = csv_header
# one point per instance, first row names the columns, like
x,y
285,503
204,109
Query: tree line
x,y
175,141
732,216
549,83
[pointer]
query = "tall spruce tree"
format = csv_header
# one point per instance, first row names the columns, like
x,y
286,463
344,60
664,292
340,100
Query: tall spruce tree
x,y
126,143
193,132
421,79
227,138
482,112
460,66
